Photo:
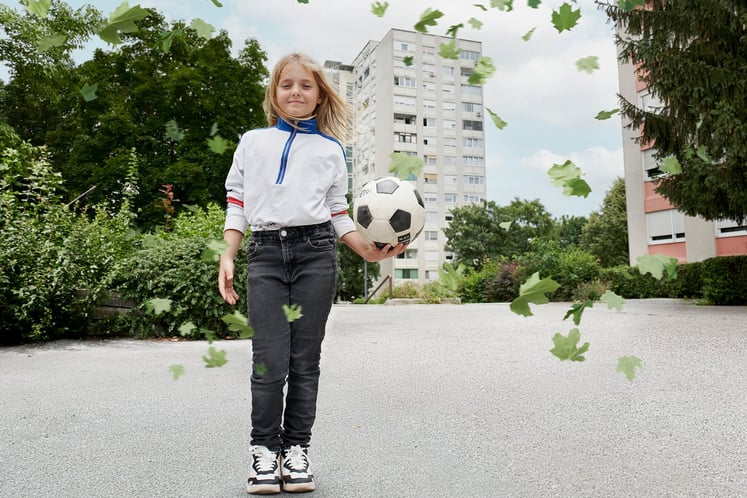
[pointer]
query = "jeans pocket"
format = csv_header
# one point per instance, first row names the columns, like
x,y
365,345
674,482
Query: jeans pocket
x,y
322,241
252,249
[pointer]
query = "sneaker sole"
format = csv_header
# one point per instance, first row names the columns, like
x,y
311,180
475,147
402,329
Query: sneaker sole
x,y
299,487
263,489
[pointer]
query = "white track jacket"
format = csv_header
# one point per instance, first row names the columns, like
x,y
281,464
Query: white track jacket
x,y
286,177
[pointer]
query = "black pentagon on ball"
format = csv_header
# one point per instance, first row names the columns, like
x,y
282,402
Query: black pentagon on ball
x,y
400,220
420,199
387,186
363,216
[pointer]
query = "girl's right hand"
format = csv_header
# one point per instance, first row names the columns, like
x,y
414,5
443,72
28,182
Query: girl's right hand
x,y
225,280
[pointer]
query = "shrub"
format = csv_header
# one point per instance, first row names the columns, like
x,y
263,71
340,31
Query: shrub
x,y
496,281
172,268
725,280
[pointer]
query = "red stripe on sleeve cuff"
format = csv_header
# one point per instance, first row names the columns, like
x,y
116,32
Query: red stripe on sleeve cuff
x,y
339,213
233,200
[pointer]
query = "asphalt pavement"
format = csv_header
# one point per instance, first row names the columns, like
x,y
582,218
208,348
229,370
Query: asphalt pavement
x,y
415,401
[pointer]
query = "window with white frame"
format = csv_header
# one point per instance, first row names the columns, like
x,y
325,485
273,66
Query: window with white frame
x,y
408,254
730,228
404,81
430,160
450,198
429,70
448,160
430,178
430,141
448,89
665,226
402,100
472,199
432,255
469,55
474,180
471,107
429,51
402,46
650,103
473,143
447,71
449,142
429,122
429,104
651,165
448,107
473,160
468,124
409,138
430,235
431,217
450,179
406,273
449,124
430,197
429,86
471,90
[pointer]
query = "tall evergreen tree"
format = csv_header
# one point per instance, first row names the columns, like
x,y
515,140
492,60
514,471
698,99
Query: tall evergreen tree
x,y
692,55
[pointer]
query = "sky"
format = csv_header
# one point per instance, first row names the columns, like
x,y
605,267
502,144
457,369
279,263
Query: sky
x,y
549,105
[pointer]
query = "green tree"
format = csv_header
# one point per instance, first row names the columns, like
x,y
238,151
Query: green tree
x,y
569,230
479,232
692,56
606,234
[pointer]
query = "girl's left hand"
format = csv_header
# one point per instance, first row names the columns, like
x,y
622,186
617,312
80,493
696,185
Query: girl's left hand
x,y
374,254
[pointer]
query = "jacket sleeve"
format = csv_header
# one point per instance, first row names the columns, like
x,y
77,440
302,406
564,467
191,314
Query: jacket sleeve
x,y
336,200
235,217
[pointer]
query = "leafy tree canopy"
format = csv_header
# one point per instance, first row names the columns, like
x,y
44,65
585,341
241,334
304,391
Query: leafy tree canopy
x,y
606,233
692,55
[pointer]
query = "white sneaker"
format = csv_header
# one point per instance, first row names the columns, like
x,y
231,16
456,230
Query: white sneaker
x,y
264,474
296,470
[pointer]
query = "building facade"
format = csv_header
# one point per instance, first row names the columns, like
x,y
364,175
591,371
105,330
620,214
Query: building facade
x,y
407,99
654,225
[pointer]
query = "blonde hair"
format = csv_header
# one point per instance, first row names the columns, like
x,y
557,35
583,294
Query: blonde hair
x,y
333,115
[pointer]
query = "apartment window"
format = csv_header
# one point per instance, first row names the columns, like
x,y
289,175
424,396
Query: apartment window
x,y
429,122
449,142
429,86
448,160
447,71
471,90
429,104
449,256
430,160
430,235
430,177
429,51
471,107
408,254
468,124
450,89
730,228
466,72
665,226
448,107
472,199
474,180
408,138
430,141
404,81
473,143
431,217
449,124
651,165
407,119
450,198
406,273
650,103
404,101
450,179
473,160
432,275
429,70
404,47
469,55
430,197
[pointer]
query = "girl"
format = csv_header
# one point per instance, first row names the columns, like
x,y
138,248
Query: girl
x,y
287,183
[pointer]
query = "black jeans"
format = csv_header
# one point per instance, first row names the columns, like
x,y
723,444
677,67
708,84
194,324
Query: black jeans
x,y
291,266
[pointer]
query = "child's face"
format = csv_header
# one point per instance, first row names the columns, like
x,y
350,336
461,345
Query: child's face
x,y
297,93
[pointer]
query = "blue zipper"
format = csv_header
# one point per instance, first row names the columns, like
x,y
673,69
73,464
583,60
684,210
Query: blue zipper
x,y
284,158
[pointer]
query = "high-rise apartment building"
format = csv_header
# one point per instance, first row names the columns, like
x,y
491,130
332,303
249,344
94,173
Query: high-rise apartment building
x,y
654,225
407,99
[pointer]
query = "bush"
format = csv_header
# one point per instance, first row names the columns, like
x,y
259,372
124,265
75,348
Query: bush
x,y
495,282
725,280
172,268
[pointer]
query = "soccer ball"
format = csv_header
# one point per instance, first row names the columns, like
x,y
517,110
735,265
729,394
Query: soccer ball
x,y
389,211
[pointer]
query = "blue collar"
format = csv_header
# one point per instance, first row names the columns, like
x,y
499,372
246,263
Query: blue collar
x,y
303,126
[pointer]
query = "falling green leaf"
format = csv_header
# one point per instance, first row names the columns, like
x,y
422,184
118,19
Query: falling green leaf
x,y
47,42
565,18
671,165
614,302
303,1
209,335
505,224
214,249
217,3
379,8
602,115
122,20
203,29
454,30
213,129
656,265
176,371
428,18
480,6
568,176
89,92
533,291
534,3
173,132
186,329
497,121
408,60
260,370
451,277
502,5
484,70
38,7
218,144
577,310
627,365
588,64
528,34
566,347
158,305
292,312
702,153
449,50
404,166
215,358
237,322
475,23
